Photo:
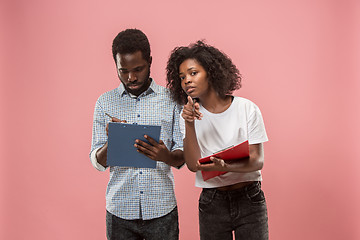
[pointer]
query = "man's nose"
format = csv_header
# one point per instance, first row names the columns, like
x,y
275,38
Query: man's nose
x,y
132,77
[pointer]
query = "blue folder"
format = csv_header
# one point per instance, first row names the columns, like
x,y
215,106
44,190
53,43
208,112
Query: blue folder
x,y
121,140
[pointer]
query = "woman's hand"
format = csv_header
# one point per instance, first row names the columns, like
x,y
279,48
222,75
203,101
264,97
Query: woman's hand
x,y
217,164
191,111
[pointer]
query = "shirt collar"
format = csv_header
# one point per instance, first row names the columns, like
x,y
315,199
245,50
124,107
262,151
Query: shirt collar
x,y
152,88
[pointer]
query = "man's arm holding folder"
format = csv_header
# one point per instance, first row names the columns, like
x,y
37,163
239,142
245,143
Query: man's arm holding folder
x,y
156,151
101,154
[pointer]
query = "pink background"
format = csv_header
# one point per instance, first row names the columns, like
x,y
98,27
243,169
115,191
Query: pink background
x,y
300,63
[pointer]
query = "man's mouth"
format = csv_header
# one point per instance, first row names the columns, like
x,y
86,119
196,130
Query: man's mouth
x,y
133,86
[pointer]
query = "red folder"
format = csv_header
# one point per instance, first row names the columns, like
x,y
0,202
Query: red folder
x,y
229,154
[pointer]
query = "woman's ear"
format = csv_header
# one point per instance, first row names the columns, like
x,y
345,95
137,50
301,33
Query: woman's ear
x,y
150,60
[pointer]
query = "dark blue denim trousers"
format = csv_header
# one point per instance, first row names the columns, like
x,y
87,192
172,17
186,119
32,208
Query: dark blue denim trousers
x,y
242,211
162,228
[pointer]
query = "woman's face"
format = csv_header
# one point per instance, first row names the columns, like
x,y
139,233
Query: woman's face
x,y
194,79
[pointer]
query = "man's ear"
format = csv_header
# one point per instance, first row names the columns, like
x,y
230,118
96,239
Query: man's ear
x,y
118,72
117,69
150,60
117,62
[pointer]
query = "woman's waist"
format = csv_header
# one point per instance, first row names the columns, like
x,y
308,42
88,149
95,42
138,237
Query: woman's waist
x,y
235,186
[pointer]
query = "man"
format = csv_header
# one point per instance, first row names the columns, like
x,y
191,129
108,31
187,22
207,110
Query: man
x,y
140,202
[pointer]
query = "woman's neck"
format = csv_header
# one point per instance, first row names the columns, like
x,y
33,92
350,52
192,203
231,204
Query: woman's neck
x,y
214,103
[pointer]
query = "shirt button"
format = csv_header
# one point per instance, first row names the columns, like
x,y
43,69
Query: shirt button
x,y
138,115
140,172
141,192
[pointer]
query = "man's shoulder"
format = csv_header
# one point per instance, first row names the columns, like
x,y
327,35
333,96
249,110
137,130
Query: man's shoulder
x,y
158,88
109,95
162,91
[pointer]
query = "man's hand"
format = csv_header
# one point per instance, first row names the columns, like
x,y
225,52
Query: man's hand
x,y
155,150
101,154
113,119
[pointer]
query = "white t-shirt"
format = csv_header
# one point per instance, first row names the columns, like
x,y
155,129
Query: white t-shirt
x,y
215,131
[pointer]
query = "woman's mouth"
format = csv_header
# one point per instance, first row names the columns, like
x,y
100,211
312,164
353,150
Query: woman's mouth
x,y
190,90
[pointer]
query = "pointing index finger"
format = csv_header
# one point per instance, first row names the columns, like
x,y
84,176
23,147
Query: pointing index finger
x,y
190,100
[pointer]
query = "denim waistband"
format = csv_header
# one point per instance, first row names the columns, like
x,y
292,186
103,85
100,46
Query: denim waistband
x,y
235,192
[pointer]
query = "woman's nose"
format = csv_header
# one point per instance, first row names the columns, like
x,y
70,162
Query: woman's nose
x,y
187,79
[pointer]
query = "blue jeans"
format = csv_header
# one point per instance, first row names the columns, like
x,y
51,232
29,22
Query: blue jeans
x,y
242,211
162,228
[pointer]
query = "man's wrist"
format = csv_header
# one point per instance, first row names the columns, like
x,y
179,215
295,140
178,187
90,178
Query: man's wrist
x,y
94,160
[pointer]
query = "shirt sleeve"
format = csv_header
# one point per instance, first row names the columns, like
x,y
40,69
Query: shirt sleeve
x,y
177,135
94,161
182,126
99,136
256,127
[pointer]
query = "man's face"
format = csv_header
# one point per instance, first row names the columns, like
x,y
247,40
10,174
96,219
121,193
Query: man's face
x,y
134,72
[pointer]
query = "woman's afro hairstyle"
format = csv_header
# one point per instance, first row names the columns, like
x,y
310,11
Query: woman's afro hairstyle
x,y
223,75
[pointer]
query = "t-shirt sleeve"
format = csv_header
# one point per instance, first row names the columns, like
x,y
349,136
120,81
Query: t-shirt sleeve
x,y
256,127
182,125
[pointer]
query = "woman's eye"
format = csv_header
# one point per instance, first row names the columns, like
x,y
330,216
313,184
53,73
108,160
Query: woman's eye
x,y
193,73
182,78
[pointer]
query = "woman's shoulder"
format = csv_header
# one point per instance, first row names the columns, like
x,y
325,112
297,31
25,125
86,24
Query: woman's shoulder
x,y
243,101
244,104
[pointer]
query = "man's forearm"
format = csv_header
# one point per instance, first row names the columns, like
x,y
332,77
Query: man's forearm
x,y
176,158
101,155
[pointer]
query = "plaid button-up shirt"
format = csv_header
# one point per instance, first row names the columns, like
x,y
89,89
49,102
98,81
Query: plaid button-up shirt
x,y
139,193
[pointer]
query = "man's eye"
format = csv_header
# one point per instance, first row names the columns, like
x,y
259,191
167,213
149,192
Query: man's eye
x,y
124,71
138,69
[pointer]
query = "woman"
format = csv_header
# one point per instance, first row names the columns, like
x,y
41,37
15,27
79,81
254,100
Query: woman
x,y
202,78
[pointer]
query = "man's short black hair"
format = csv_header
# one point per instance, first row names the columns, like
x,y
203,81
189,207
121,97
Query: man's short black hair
x,y
131,41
